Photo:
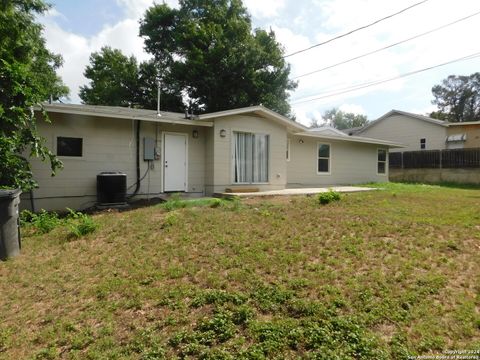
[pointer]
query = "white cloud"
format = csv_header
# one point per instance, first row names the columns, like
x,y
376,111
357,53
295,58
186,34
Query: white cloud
x,y
134,9
301,28
265,8
352,108
76,49
423,111
341,16
54,13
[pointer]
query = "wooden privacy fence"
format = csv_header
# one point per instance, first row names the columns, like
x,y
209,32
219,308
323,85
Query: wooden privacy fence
x,y
435,159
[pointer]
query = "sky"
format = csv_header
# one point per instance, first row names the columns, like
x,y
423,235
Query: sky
x,y
75,29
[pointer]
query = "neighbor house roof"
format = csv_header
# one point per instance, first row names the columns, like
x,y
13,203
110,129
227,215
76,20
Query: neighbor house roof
x,y
399,112
124,113
329,133
464,123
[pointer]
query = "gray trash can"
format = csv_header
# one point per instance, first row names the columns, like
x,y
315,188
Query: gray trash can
x,y
9,223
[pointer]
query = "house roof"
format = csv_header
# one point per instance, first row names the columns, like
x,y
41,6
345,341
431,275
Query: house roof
x,y
293,127
464,123
328,130
352,130
330,133
257,110
399,112
124,113
344,137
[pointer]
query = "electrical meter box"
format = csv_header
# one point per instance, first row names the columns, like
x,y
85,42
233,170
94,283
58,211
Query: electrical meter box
x,y
148,149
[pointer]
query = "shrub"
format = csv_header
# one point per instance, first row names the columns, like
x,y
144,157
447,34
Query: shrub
x,y
44,221
81,224
170,220
26,217
328,197
175,202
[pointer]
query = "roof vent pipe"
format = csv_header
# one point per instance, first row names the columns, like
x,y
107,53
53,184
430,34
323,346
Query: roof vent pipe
x,y
158,98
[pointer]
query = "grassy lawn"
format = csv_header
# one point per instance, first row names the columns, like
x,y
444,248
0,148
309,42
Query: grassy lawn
x,y
377,275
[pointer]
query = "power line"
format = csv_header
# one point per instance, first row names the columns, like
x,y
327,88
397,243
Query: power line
x,y
388,46
378,82
355,30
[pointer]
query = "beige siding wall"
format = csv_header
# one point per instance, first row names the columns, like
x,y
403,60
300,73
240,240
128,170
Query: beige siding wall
x,y
350,163
408,131
472,131
108,145
220,165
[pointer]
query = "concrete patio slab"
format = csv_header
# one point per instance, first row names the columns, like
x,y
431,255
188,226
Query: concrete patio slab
x,y
301,191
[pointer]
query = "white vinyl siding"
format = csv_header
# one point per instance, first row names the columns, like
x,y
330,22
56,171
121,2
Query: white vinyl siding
x,y
350,163
251,158
407,131
108,145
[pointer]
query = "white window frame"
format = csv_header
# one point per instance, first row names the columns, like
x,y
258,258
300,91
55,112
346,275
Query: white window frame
x,y
425,144
329,158
232,143
64,157
386,162
288,155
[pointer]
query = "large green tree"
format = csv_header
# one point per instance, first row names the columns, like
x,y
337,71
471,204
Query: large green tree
x,y
457,98
27,78
118,80
341,120
208,48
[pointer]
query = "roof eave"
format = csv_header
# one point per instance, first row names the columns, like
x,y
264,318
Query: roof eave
x,y
116,116
400,112
258,110
357,139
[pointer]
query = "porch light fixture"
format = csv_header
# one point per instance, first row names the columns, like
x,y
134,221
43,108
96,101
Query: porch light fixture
x,y
300,141
195,134
223,133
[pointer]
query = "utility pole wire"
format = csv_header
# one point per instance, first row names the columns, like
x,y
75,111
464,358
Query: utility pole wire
x,y
355,30
378,82
388,46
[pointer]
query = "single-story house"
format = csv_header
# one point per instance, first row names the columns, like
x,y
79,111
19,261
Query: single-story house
x,y
206,154
415,132
463,135
418,132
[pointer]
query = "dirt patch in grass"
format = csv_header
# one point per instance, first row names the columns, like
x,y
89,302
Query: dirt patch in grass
x,y
377,275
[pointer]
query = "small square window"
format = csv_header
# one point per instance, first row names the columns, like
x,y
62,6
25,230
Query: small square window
x,y
423,143
69,146
324,151
322,165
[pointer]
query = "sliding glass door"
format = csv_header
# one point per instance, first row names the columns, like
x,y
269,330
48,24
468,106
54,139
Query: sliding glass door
x,y
250,158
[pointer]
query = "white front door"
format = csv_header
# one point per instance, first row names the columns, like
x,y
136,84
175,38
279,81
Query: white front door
x,y
175,162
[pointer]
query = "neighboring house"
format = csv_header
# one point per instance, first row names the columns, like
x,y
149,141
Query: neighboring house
x,y
204,154
463,135
415,132
418,132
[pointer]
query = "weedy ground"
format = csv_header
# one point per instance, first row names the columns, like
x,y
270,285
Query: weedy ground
x,y
377,275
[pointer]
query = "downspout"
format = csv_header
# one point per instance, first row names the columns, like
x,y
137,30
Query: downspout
x,y
137,187
32,201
